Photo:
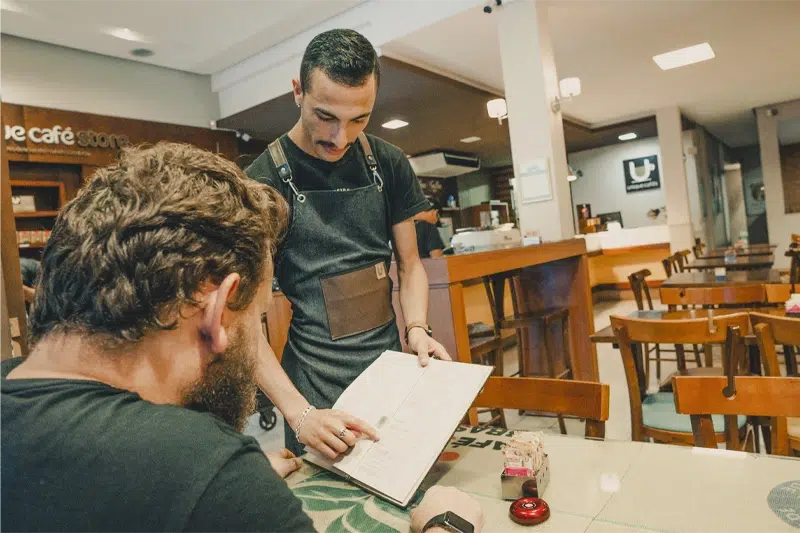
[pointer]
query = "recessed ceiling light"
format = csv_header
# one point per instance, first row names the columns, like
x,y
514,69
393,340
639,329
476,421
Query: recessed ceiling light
x,y
684,56
627,136
126,35
10,5
142,52
395,124
470,139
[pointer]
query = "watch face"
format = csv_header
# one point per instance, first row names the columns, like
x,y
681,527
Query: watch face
x,y
458,523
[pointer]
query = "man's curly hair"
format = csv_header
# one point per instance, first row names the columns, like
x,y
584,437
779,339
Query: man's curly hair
x,y
143,236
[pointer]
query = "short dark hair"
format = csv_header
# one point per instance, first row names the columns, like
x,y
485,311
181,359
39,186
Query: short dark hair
x,y
144,235
345,56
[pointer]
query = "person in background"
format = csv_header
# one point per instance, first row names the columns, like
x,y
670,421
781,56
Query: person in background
x,y
429,242
30,269
145,330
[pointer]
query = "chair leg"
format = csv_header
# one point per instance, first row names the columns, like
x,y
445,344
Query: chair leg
x,y
697,356
658,363
647,363
551,365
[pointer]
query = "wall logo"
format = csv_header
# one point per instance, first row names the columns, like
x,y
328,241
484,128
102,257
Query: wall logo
x,y
641,174
58,135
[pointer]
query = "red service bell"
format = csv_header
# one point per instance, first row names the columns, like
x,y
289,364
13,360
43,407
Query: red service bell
x,y
529,511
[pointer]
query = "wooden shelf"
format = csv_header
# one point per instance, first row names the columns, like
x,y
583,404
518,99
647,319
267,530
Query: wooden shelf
x,y
36,183
36,214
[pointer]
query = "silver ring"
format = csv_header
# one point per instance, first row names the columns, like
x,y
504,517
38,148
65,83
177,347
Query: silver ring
x,y
342,432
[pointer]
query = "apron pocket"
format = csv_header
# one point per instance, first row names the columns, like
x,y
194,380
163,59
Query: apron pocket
x,y
357,301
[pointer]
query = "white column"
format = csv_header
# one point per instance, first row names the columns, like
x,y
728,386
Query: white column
x,y
537,134
673,178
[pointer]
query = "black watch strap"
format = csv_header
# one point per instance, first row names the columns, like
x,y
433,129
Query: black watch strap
x,y
450,521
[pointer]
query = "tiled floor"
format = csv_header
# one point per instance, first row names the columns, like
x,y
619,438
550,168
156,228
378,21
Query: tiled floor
x,y
618,426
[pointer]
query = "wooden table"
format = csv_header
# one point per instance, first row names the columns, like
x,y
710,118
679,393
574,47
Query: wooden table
x,y
755,249
745,262
703,278
595,486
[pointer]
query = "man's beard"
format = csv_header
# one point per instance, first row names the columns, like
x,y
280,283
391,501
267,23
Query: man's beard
x,y
228,387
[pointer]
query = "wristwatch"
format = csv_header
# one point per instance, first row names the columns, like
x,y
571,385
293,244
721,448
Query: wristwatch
x,y
422,325
449,521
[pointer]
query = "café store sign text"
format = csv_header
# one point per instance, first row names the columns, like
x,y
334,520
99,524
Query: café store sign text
x,y
65,136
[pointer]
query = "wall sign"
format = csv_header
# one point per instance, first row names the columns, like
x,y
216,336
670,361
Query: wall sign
x,y
43,135
641,174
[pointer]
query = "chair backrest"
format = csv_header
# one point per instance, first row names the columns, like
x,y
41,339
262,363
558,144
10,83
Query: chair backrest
x,y
631,331
682,257
641,291
699,249
702,396
771,331
710,296
794,268
672,264
667,262
584,399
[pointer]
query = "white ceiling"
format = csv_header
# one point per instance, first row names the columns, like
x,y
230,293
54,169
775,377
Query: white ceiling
x,y
201,36
609,45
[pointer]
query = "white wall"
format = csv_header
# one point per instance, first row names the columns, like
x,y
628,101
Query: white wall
x,y
603,182
473,189
44,75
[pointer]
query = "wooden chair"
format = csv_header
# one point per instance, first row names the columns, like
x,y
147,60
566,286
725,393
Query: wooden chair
x,y
672,264
582,399
544,320
641,293
682,257
777,397
653,416
794,268
708,297
698,249
771,331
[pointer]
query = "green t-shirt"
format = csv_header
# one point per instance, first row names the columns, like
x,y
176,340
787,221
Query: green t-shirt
x,y
79,455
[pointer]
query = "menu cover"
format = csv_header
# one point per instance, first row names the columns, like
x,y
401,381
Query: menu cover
x,y
415,410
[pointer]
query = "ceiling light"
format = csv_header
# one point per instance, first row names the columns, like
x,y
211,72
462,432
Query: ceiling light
x,y
569,87
9,5
395,124
684,56
498,109
126,35
627,136
470,139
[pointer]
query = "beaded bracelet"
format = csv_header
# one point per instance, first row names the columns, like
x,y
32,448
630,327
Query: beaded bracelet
x,y
302,419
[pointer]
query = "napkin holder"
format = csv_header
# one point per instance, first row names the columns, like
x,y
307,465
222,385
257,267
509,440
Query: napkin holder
x,y
511,486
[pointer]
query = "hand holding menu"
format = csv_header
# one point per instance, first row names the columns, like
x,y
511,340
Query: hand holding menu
x,y
415,411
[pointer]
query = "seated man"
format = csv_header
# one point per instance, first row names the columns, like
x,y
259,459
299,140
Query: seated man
x,y
146,327
429,242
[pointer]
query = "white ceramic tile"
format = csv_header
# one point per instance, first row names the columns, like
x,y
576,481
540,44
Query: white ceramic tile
x,y
694,489
598,526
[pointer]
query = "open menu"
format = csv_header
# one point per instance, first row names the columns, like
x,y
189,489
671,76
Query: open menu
x,y
415,411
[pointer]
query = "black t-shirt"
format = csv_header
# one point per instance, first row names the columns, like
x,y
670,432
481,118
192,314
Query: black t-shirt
x,y
428,238
309,173
79,455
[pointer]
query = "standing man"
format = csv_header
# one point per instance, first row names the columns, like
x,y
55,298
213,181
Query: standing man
x,y
350,194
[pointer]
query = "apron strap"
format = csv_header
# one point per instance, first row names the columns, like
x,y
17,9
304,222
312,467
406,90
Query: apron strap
x,y
283,168
372,163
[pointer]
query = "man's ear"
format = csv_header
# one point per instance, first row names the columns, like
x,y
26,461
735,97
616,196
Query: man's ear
x,y
216,305
297,90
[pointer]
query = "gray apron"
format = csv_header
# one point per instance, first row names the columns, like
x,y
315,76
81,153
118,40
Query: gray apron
x,y
333,266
